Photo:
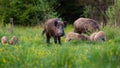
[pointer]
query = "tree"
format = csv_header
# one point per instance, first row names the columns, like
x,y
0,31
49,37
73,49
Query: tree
x,y
26,12
69,10
97,9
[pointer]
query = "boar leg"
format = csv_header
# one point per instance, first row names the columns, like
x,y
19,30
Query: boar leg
x,y
55,39
59,40
48,38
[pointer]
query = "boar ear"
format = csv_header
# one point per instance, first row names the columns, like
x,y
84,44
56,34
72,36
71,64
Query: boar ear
x,y
65,23
56,22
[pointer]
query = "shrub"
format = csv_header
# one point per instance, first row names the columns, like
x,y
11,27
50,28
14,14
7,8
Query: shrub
x,y
27,12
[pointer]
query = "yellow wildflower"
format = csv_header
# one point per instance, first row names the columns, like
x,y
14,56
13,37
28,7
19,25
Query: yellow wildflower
x,y
1,49
53,63
4,60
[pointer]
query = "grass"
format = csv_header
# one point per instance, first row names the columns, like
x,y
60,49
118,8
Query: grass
x,y
33,52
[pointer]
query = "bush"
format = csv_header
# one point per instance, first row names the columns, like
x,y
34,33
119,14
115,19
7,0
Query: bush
x,y
27,12
110,14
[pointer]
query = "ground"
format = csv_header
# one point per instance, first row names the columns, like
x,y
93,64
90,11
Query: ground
x,y
33,52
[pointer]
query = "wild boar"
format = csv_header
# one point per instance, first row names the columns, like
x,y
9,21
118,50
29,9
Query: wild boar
x,y
100,36
54,28
85,25
75,36
13,40
4,40
92,36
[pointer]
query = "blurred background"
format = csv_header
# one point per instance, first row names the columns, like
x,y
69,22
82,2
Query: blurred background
x,y
34,12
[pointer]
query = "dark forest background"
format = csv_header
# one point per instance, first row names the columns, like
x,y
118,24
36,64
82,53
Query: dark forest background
x,y
34,12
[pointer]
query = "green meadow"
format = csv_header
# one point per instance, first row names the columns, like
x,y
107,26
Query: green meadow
x,y
33,52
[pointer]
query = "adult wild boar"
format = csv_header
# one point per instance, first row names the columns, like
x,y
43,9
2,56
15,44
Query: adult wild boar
x,y
85,25
54,28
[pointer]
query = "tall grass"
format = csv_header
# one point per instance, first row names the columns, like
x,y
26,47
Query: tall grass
x,y
33,52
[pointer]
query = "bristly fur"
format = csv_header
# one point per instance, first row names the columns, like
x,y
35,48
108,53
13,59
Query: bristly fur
x,y
53,28
85,25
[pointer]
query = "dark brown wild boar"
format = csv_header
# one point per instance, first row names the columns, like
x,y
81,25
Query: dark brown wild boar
x,y
85,25
54,28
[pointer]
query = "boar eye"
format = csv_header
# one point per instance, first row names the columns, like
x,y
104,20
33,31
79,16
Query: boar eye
x,y
57,25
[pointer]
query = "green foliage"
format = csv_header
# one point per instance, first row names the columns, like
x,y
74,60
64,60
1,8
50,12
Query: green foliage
x,y
32,50
87,10
26,12
111,14
111,32
32,12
